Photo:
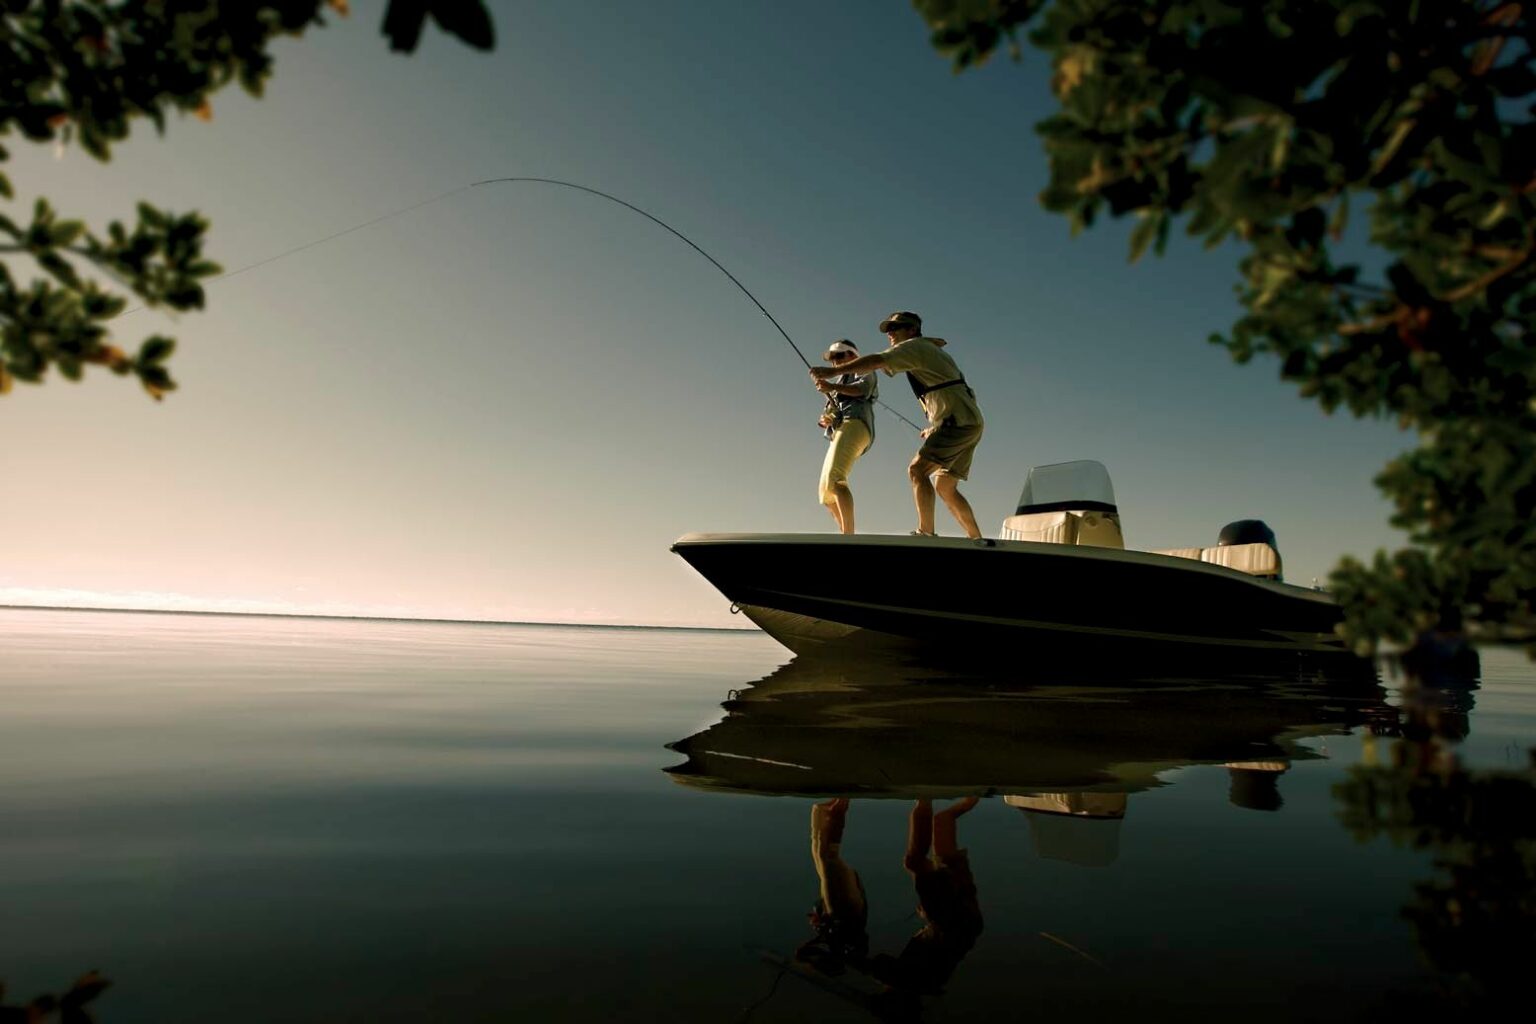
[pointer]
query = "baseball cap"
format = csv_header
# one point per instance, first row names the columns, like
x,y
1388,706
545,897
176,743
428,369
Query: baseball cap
x,y
902,318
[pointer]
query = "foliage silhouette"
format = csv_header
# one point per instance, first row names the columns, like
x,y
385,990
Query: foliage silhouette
x,y
82,72
1475,920
70,1007
1265,122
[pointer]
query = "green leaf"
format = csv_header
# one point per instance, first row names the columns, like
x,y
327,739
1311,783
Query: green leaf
x,y
466,19
403,20
156,350
66,231
1394,143
59,268
1307,227
1146,230
1340,219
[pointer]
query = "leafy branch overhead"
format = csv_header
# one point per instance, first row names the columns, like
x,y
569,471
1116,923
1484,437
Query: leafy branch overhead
x,y
1267,123
70,1007
82,73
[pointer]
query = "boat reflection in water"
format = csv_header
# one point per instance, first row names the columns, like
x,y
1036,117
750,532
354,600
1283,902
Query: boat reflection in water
x,y
1065,754
887,728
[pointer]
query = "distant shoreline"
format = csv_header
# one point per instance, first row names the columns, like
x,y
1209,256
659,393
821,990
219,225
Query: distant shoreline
x,y
371,618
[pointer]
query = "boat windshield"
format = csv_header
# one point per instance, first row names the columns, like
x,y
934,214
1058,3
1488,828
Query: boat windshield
x,y
1068,485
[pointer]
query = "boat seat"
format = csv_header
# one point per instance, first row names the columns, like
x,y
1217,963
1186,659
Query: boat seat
x,y
1194,553
1091,529
1254,559
1042,527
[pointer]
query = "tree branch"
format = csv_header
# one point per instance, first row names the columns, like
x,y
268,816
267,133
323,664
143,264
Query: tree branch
x,y
1375,323
1473,287
1505,15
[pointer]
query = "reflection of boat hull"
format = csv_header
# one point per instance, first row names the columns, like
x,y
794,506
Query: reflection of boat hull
x,y
820,727
815,591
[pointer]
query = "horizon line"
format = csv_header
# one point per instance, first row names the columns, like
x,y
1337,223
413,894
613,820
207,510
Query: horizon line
x,y
368,618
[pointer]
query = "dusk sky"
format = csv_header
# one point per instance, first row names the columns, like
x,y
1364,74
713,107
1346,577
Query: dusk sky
x,y
506,405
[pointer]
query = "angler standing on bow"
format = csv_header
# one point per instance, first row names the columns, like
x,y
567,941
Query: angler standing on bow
x,y
954,419
849,422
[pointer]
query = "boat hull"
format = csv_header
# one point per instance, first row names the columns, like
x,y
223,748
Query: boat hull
x,y
815,592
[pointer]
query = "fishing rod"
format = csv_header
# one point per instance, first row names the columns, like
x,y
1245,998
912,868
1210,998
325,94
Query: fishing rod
x,y
564,184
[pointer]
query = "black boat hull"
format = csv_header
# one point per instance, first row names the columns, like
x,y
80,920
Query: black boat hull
x,y
816,592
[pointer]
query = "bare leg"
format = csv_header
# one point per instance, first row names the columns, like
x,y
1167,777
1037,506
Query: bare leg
x,y
949,489
842,511
919,837
945,843
918,472
837,516
828,819
841,894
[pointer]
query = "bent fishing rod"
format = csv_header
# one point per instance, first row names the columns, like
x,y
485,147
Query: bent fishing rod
x,y
564,184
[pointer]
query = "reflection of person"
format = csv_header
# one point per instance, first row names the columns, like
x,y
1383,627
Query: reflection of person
x,y
946,901
841,913
954,419
849,420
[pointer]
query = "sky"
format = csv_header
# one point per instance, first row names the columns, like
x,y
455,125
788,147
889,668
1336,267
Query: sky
x,y
507,404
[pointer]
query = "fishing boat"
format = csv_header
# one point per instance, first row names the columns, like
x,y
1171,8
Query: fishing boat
x,y
1057,582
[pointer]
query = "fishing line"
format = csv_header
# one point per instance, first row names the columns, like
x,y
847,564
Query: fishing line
x,y
657,220
339,234
564,184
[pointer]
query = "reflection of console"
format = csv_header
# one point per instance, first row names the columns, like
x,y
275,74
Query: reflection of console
x,y
818,727
1256,784
1080,828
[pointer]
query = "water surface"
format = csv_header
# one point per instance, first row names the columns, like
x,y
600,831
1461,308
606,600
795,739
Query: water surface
x,y
318,820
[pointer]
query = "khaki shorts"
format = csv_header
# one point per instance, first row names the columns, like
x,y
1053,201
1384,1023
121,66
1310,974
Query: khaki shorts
x,y
952,447
849,441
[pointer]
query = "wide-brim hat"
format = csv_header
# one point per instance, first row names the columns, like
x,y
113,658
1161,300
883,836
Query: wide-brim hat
x,y
840,345
901,318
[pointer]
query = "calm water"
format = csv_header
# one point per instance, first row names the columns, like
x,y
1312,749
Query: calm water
x,y
301,820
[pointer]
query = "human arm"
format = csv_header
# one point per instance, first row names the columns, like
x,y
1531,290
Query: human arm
x,y
863,364
858,390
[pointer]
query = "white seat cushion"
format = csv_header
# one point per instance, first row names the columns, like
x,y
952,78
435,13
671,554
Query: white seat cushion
x,y
1254,559
1093,529
1042,527
1194,553
1099,530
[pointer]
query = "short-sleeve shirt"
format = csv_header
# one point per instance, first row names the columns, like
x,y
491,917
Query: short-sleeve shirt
x,y
931,365
862,407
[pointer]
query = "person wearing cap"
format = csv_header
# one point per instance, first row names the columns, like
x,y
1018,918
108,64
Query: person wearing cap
x,y
947,905
955,422
849,422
